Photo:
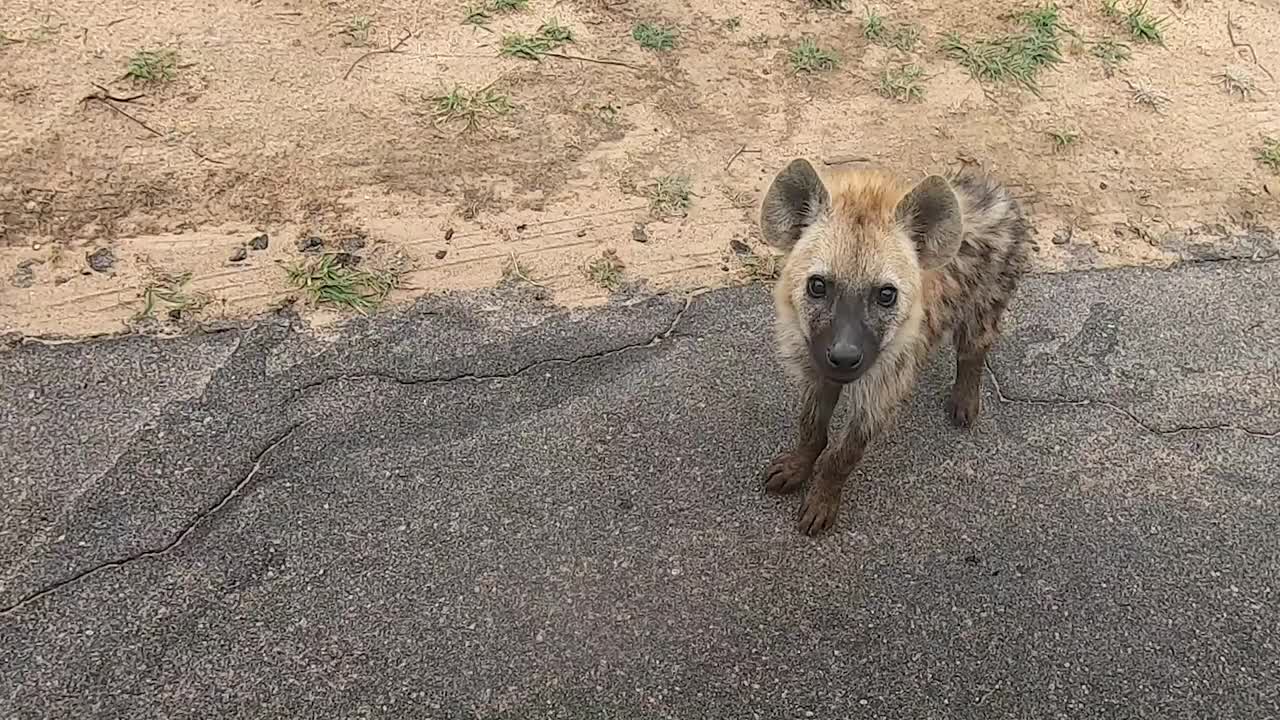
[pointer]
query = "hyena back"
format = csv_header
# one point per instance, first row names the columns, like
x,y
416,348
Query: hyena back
x,y
878,273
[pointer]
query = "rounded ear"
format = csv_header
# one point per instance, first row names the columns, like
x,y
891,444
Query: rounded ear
x,y
794,201
932,217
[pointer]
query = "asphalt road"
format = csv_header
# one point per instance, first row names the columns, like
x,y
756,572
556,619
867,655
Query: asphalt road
x,y
480,508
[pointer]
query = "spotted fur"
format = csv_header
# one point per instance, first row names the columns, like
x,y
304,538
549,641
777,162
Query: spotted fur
x,y
953,246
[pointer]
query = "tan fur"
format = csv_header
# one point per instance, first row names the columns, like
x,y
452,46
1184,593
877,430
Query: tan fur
x,y
859,236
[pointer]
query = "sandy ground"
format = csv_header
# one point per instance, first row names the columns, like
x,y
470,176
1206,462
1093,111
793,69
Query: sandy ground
x,y
276,121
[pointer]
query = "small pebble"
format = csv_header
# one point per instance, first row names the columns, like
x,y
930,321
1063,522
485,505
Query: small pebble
x,y
638,234
259,242
441,253
1063,236
239,254
448,235
739,247
310,244
100,260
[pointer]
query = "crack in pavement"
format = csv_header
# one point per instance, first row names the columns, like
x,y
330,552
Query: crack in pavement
x,y
261,457
42,536
654,341
1154,429
186,531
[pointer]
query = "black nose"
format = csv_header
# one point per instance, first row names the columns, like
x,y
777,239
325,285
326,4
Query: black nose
x,y
844,358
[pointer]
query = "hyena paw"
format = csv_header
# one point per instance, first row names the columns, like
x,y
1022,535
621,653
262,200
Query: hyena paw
x,y
818,511
788,472
963,408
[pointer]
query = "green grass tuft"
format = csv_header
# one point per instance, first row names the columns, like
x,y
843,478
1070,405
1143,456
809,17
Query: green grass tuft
x,y
551,36
1062,139
901,84
168,291
670,195
481,13
606,271
880,32
358,30
1013,58
1144,27
152,65
469,106
1111,53
329,281
809,58
514,271
1269,153
760,266
654,37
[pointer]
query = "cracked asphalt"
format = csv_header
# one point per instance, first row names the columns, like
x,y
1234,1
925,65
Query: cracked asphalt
x,y
484,508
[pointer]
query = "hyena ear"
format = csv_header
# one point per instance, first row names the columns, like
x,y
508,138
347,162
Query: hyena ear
x,y
931,214
794,201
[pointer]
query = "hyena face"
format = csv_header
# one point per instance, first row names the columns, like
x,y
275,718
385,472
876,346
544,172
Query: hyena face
x,y
857,244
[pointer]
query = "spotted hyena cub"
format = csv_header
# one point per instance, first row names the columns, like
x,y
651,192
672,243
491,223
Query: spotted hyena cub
x,y
878,273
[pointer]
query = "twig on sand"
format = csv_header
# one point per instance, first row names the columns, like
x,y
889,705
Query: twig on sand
x,y
597,61
1231,36
105,98
738,153
383,51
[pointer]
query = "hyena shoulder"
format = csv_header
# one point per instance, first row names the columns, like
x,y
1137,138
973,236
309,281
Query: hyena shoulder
x,y
993,253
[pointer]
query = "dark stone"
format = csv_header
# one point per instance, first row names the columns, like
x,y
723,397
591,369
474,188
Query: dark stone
x,y
441,253
639,234
259,242
23,275
100,260
311,244
739,247
345,259
1063,236
448,235
239,254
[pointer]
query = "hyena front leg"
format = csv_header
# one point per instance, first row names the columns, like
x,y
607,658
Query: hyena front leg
x,y
871,415
822,502
973,340
791,469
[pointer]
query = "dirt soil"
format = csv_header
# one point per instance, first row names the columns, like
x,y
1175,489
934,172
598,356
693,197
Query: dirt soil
x,y
276,120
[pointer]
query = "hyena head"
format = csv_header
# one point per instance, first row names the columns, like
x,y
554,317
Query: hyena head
x,y
857,243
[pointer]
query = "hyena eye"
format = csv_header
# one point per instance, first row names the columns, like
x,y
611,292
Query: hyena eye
x,y
887,296
817,287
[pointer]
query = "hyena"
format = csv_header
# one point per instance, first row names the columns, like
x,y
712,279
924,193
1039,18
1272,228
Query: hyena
x,y
878,272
